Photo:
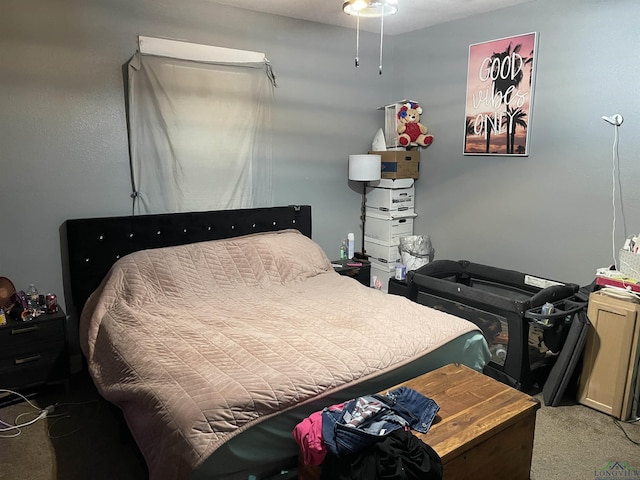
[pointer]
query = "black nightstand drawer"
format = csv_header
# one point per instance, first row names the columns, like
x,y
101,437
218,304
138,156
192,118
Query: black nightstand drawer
x,y
32,368
34,352
19,337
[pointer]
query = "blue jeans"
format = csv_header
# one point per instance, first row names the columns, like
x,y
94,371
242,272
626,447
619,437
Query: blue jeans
x,y
364,420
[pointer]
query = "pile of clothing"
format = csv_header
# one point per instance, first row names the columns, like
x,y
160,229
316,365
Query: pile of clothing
x,y
370,437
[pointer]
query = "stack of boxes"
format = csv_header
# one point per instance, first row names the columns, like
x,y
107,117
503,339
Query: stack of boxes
x,y
390,212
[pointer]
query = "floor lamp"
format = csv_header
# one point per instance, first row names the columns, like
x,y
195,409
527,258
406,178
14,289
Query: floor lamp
x,y
365,169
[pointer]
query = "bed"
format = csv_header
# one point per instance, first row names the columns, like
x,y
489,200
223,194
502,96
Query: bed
x,y
215,333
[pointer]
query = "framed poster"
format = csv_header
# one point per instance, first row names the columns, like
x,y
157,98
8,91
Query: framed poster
x,y
500,84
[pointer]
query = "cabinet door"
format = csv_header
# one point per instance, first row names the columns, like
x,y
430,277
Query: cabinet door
x,y
610,355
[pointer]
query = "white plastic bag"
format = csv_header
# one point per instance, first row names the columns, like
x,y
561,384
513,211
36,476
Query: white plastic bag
x,y
416,251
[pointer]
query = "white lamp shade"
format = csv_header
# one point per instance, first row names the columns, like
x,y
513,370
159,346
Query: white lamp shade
x,y
365,168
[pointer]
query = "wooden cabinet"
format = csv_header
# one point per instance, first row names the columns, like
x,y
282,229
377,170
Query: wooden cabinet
x,y
611,355
34,352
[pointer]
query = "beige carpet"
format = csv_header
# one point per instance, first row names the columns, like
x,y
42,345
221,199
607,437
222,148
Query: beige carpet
x,y
572,442
81,440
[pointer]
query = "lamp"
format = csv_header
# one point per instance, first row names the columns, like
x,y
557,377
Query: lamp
x,y
370,9
364,168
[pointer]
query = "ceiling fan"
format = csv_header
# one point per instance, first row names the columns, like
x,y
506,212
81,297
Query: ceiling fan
x,y
370,9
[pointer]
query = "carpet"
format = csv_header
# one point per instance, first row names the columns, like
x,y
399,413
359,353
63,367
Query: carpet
x,y
84,438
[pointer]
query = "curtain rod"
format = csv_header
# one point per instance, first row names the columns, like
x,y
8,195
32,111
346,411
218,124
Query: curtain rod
x,y
196,52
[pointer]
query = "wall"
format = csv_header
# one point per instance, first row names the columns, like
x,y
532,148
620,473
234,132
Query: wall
x,y
551,213
64,145
63,134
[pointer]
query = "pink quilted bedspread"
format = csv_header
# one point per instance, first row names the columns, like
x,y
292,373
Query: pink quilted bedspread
x,y
197,343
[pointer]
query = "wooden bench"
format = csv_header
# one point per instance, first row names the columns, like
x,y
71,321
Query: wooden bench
x,y
484,429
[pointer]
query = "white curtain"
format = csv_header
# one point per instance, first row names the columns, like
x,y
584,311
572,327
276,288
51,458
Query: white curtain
x,y
199,129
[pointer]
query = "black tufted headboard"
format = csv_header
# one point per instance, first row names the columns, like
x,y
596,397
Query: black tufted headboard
x,y
94,244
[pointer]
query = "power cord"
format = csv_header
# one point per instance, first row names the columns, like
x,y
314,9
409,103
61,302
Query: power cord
x,y
65,416
16,426
616,159
56,412
616,120
618,424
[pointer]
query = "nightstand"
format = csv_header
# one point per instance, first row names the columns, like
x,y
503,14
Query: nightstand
x,y
34,352
361,273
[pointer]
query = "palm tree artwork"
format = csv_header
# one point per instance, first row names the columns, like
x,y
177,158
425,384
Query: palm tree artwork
x,y
513,118
499,96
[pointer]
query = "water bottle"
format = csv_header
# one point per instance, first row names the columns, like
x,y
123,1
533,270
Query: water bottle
x,y
350,245
33,298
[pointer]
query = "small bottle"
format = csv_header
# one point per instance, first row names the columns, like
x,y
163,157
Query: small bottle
x,y
343,250
33,298
401,271
547,309
350,245
3,318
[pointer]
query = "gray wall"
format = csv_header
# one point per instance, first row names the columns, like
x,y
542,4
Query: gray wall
x,y
63,139
63,143
550,213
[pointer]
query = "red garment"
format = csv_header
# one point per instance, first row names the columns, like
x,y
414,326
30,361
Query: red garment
x,y
308,435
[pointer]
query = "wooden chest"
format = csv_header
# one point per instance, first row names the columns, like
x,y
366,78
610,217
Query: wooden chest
x,y
484,429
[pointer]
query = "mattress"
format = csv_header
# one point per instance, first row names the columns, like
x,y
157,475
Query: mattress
x,y
268,447
215,350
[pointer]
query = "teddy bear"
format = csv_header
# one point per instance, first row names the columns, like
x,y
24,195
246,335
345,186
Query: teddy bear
x,y
410,130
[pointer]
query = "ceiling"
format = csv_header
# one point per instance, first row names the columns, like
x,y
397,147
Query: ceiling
x,y
412,14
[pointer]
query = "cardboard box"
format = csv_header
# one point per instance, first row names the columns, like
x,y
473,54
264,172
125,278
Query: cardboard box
x,y
382,254
400,163
402,212
391,200
387,231
392,183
